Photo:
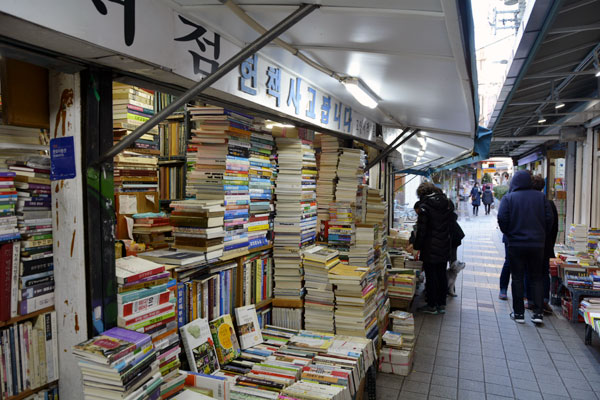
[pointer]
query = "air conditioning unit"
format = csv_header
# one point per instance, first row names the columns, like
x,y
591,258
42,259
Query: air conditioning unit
x,y
573,134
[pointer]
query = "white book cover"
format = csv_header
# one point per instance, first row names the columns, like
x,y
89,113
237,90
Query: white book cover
x,y
248,327
199,346
216,387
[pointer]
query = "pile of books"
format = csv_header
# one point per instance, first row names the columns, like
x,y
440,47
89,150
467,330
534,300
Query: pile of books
x,y
402,284
34,218
288,220
172,161
355,312
593,238
577,237
289,318
341,229
146,304
119,364
132,106
29,355
8,194
261,190
198,226
350,173
327,175
135,172
152,229
376,207
309,196
222,166
404,323
319,301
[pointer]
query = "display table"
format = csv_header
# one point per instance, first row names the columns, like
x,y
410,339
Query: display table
x,y
576,295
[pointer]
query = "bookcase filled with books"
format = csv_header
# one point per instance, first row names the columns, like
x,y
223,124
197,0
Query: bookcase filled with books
x,y
28,326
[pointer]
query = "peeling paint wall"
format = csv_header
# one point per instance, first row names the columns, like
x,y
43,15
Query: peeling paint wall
x,y
69,259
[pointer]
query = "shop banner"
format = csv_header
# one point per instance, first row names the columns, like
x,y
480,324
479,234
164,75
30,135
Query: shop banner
x,y
153,32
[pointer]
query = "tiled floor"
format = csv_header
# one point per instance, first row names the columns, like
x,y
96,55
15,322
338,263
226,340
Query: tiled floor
x,y
475,351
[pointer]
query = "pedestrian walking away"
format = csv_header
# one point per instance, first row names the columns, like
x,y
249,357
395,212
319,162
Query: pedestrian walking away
x,y
433,240
476,199
487,198
524,217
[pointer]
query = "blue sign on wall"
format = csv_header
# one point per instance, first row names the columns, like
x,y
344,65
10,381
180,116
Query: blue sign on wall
x,y
62,158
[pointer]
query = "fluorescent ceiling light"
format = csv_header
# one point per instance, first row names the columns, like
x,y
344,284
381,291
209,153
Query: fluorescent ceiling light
x,y
421,153
423,141
361,92
559,105
541,118
271,124
598,74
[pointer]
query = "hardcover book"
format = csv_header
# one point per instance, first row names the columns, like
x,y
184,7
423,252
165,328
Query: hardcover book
x,y
199,346
226,342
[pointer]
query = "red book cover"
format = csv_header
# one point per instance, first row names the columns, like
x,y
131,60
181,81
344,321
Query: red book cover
x,y
6,251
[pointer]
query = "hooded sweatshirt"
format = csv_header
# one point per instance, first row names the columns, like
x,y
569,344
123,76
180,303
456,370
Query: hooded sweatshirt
x,y
524,216
434,228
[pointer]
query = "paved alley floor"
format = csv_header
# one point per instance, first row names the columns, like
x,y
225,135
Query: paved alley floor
x,y
475,351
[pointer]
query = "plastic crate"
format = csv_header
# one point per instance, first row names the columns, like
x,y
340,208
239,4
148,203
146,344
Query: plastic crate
x,y
567,310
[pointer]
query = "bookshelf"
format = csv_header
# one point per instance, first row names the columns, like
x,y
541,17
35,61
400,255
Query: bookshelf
x,y
30,392
20,318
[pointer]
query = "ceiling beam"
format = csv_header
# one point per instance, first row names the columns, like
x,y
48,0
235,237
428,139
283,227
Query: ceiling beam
x,y
532,103
563,53
552,114
560,74
363,11
579,28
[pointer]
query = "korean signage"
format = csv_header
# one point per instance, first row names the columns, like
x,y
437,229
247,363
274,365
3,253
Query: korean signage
x,y
152,32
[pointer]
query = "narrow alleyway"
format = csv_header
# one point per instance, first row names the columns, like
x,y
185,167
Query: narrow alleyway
x,y
475,351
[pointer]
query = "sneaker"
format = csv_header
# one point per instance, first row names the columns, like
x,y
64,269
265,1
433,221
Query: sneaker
x,y
547,309
502,295
519,318
441,310
428,310
537,319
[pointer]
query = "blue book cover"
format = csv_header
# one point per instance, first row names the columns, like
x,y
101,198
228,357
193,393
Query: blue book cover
x,y
235,246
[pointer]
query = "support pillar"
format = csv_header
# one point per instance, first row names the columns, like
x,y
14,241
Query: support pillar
x,y
68,234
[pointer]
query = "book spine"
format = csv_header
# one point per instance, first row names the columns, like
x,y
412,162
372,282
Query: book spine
x,y
36,303
137,319
180,305
14,284
143,304
6,258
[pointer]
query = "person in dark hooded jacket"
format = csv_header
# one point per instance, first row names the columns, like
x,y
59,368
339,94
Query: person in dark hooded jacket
x,y
488,199
524,217
434,240
476,199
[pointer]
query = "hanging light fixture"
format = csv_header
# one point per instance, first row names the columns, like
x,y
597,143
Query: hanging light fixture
x,y
558,104
541,118
361,92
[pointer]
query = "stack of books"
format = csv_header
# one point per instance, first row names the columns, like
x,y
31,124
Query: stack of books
x,y
198,226
350,173
135,172
222,169
9,196
327,175
577,237
119,364
341,229
28,355
132,106
261,190
172,161
288,274
402,284
319,301
146,304
376,207
289,318
355,312
309,196
593,238
404,323
152,229
34,218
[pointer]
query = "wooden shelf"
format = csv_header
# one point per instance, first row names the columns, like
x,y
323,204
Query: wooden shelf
x,y
25,317
29,392
264,303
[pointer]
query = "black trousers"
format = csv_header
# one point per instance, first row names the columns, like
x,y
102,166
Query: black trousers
x,y
487,208
436,283
528,259
475,210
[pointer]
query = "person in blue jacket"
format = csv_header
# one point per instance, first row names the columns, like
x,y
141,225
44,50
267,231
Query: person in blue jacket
x,y
476,198
524,217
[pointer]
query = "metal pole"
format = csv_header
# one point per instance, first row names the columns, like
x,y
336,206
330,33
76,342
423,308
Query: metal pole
x,y
393,146
208,81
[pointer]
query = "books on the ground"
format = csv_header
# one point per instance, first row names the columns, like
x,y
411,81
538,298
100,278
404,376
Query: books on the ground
x,y
111,346
248,328
199,346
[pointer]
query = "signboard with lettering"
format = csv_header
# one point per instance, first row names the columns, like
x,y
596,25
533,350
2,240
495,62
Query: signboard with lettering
x,y
153,32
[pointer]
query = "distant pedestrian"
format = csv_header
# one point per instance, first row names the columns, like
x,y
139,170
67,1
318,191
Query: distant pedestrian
x,y
433,239
551,233
476,198
525,217
487,198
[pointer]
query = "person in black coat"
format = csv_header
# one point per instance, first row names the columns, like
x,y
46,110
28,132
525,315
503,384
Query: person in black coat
x,y
538,183
487,198
476,198
434,240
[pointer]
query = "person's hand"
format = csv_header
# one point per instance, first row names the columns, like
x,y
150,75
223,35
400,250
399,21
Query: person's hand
x,y
409,248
